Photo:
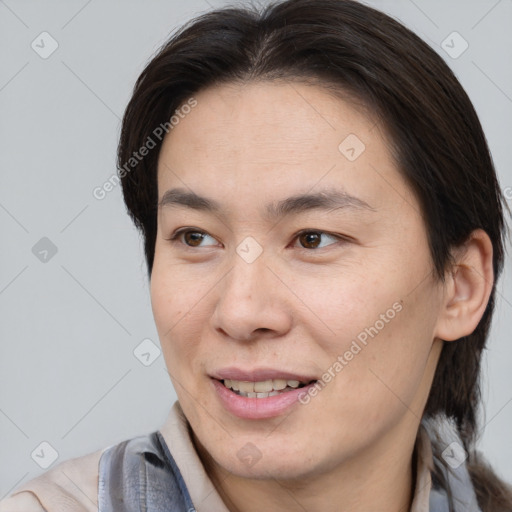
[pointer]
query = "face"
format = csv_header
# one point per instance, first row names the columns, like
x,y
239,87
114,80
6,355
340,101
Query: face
x,y
295,302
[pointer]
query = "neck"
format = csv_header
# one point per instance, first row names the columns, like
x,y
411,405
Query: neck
x,y
382,478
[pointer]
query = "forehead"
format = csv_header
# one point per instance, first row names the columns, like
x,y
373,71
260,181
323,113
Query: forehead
x,y
276,115
257,139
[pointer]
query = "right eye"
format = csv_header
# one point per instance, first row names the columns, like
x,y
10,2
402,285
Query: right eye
x,y
190,237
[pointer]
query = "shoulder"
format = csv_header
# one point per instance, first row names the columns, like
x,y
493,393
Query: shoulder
x,y
71,486
22,502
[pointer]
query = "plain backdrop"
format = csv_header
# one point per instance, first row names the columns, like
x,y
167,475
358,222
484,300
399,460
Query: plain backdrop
x,y
74,296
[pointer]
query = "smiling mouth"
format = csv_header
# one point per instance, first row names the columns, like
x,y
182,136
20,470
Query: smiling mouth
x,y
263,389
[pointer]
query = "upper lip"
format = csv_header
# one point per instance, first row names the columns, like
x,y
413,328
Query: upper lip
x,y
259,374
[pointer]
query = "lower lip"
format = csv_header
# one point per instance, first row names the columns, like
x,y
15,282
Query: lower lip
x,y
257,408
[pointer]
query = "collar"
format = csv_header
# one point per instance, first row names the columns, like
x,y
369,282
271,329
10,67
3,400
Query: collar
x,y
203,493
448,455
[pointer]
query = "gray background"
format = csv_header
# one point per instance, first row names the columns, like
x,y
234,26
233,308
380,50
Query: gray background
x,y
69,325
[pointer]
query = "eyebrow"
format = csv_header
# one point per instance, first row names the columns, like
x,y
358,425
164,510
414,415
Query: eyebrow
x,y
326,200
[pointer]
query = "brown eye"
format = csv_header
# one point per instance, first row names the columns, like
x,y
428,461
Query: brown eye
x,y
310,240
314,239
193,238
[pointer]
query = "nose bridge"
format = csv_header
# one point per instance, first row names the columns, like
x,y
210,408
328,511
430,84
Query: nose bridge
x,y
247,299
248,281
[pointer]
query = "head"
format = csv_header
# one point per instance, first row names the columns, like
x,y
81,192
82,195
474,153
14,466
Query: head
x,y
395,243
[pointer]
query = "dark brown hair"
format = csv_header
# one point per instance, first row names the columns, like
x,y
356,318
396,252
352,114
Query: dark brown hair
x,y
434,132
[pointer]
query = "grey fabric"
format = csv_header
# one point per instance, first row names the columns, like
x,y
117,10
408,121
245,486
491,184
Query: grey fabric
x,y
449,457
140,475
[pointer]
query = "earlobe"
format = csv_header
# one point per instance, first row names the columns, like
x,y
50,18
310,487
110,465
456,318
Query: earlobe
x,y
468,287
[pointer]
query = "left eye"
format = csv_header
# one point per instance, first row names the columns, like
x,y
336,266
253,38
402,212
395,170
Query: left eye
x,y
313,239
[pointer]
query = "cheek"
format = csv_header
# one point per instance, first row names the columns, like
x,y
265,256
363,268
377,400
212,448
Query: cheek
x,y
178,313
347,301
375,326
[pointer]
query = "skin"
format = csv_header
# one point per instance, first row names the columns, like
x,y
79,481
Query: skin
x,y
297,307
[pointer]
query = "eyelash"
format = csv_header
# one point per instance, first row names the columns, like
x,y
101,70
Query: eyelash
x,y
174,238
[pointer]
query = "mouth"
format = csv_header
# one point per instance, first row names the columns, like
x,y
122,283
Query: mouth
x,y
265,388
261,392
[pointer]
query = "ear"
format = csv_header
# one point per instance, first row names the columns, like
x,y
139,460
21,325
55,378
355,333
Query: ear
x,y
468,285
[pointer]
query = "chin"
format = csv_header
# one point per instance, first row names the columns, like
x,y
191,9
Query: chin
x,y
262,460
270,469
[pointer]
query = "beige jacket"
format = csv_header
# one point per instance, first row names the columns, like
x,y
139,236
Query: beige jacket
x,y
72,485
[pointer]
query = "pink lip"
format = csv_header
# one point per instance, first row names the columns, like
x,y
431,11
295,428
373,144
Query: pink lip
x,y
258,375
257,408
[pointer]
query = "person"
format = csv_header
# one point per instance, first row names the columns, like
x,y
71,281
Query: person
x,y
323,231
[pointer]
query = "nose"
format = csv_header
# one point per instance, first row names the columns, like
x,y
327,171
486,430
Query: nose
x,y
252,302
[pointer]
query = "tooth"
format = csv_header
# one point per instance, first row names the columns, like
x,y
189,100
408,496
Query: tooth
x,y
246,387
261,395
278,384
263,387
235,385
293,383
251,395
274,393
227,383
